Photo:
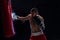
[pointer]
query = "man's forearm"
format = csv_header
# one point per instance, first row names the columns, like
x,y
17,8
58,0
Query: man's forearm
x,y
22,18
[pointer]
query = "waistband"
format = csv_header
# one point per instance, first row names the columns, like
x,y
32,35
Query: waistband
x,y
37,33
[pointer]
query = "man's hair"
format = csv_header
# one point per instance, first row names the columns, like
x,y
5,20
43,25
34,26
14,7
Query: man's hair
x,y
34,10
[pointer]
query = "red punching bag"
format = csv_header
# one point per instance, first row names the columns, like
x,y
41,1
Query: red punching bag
x,y
8,28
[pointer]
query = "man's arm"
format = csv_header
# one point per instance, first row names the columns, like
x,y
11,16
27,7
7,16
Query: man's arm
x,y
42,21
16,17
24,18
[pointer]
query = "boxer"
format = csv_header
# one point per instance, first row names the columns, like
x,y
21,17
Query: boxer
x,y
36,24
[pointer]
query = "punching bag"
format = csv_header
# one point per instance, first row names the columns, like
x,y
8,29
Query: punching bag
x,y
8,28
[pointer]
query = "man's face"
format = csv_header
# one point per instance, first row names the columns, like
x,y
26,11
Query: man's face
x,y
34,13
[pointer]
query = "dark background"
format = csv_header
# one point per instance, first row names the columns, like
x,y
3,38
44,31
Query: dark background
x,y
50,10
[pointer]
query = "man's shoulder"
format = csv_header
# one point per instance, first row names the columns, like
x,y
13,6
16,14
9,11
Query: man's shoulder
x,y
39,16
29,14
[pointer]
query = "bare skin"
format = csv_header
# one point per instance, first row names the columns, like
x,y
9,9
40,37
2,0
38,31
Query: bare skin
x,y
34,27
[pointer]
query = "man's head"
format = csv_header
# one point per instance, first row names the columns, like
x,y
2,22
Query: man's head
x,y
34,11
